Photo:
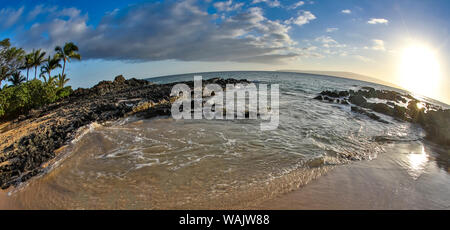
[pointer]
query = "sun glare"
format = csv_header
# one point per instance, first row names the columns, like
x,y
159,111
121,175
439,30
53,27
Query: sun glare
x,y
419,70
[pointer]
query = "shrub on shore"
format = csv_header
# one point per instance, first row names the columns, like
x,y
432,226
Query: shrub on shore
x,y
20,99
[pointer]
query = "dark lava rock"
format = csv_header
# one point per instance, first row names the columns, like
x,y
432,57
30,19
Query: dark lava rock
x,y
343,93
437,126
34,113
390,103
344,102
399,112
330,93
370,92
368,88
334,94
357,100
369,114
328,99
381,108
119,79
432,118
319,97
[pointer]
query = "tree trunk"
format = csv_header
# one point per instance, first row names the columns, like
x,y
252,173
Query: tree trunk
x,y
28,70
35,72
64,66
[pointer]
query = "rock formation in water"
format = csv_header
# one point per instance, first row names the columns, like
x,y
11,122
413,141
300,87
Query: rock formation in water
x,y
433,119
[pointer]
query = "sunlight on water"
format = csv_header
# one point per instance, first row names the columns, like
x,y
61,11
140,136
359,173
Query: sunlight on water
x,y
417,162
420,105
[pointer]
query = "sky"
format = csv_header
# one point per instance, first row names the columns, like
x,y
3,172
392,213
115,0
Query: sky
x,y
385,39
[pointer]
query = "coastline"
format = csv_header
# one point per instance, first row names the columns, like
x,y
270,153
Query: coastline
x,y
32,140
108,101
403,177
400,178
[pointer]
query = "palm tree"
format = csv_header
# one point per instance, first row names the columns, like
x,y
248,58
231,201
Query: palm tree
x,y
4,73
16,78
50,80
51,64
62,80
38,59
66,53
28,63
11,59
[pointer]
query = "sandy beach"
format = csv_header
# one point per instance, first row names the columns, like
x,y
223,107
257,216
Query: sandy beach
x,y
405,177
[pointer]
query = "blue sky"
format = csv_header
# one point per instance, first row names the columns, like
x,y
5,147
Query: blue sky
x,y
152,38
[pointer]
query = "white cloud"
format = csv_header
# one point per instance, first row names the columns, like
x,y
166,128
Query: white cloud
x,y
332,29
346,11
378,45
227,6
374,21
329,42
271,3
303,18
39,10
35,12
64,25
343,54
363,59
9,16
326,40
296,5
166,31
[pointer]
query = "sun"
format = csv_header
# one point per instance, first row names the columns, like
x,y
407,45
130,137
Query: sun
x,y
419,70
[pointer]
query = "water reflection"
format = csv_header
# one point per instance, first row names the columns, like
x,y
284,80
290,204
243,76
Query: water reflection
x,y
417,162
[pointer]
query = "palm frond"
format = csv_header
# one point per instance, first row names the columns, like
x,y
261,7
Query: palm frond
x,y
62,80
16,79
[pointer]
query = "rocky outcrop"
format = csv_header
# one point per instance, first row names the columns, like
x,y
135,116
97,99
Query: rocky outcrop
x,y
369,114
357,100
433,119
30,141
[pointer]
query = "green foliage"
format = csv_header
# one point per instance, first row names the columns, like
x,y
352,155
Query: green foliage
x,y
28,63
62,80
50,80
20,97
11,59
64,92
17,100
66,53
16,78
38,57
5,43
50,64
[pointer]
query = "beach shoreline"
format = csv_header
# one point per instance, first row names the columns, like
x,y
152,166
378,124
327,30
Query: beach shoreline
x,y
30,141
402,178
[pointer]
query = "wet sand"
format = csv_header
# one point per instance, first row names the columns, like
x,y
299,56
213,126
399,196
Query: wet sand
x,y
6,203
407,176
